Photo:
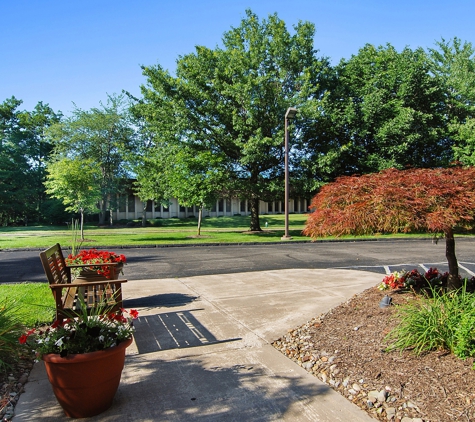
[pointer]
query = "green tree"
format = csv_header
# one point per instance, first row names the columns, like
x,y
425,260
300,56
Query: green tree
x,y
24,150
193,178
382,110
231,101
14,169
453,64
104,135
76,182
38,148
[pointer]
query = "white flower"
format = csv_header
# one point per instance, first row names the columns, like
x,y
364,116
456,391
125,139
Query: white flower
x,y
101,339
59,342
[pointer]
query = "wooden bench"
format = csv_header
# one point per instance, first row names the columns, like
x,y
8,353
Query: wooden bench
x,y
95,291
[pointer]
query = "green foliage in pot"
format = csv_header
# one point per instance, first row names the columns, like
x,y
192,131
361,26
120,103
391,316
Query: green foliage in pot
x,y
86,333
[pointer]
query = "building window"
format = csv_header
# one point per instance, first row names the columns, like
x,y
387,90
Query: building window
x,y
228,205
213,208
270,206
182,208
131,203
243,206
221,205
122,203
148,208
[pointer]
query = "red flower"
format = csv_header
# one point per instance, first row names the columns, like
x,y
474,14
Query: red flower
x,y
134,313
93,256
56,324
23,338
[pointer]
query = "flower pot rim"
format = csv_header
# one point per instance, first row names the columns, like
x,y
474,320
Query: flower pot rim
x,y
75,357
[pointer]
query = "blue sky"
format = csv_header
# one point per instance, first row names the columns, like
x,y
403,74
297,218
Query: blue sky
x,y
65,51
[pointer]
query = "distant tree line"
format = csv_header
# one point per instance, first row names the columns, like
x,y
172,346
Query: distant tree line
x,y
216,126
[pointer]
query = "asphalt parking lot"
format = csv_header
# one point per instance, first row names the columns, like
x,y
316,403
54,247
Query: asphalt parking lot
x,y
380,256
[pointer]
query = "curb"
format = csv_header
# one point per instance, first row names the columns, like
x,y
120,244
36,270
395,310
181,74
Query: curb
x,y
198,245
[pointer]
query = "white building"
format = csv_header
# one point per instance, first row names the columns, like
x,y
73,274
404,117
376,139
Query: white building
x,y
131,208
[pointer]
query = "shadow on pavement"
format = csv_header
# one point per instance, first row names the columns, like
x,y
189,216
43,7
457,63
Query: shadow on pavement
x,y
171,330
200,390
164,299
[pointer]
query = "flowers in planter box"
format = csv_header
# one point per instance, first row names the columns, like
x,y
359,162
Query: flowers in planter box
x,y
82,334
93,256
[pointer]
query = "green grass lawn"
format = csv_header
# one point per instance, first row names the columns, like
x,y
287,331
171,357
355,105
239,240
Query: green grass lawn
x,y
160,232
168,232
32,303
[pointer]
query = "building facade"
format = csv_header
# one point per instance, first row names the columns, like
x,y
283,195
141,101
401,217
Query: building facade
x,y
131,208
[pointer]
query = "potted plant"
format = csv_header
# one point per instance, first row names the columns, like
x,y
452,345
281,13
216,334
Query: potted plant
x,y
93,256
84,357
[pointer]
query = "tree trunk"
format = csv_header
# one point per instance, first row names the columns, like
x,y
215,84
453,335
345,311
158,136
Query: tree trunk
x,y
144,213
82,224
200,214
102,212
453,281
254,206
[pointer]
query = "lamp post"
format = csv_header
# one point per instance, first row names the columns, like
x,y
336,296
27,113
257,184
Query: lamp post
x,y
290,114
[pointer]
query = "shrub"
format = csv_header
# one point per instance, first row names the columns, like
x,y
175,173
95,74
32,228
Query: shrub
x,y
10,329
442,321
155,223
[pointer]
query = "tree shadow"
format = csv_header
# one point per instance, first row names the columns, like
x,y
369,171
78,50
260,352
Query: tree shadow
x,y
20,266
192,390
171,330
159,300
216,387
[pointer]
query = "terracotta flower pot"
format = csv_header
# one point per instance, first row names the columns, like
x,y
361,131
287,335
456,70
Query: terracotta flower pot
x,y
85,384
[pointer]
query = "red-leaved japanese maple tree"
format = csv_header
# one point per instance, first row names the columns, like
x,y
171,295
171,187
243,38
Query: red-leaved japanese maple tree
x,y
392,201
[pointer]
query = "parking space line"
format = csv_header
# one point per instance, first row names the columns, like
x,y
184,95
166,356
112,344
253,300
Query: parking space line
x,y
467,270
424,267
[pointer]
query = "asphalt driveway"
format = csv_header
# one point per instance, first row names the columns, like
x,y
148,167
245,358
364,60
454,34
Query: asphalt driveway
x,y
185,261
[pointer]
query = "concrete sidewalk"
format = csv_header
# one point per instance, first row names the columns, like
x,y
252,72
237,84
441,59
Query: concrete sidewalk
x,y
202,351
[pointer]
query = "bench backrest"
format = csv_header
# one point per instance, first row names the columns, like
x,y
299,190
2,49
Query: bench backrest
x,y
55,266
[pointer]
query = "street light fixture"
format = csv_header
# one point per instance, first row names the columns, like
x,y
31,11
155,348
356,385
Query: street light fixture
x,y
290,114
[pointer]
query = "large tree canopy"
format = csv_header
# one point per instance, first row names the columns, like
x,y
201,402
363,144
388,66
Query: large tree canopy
x,y
231,101
104,135
392,201
24,150
453,66
382,111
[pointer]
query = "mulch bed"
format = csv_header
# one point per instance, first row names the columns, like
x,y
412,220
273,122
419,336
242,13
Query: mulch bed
x,y
11,384
345,348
